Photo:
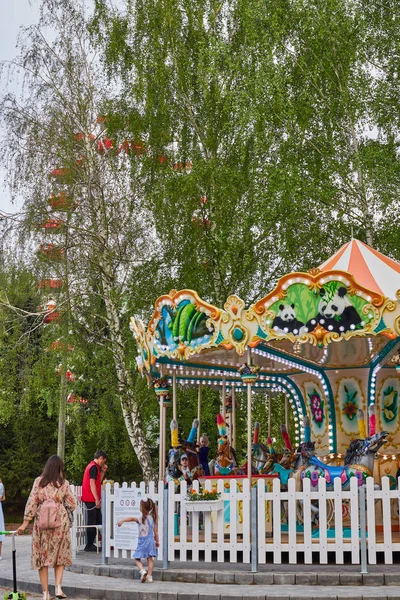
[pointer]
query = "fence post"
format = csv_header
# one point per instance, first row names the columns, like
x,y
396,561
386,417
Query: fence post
x,y
254,530
165,527
104,532
363,530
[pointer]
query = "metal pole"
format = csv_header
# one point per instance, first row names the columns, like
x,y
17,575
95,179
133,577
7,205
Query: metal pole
x,y
233,392
249,433
249,436
165,528
223,398
363,530
174,396
269,415
161,454
104,533
163,435
254,545
287,412
200,389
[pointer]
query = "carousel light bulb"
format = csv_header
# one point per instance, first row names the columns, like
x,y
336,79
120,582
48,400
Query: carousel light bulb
x,y
393,457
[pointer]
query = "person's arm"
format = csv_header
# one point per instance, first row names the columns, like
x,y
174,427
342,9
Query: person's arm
x,y
93,489
103,472
69,500
31,507
157,539
127,520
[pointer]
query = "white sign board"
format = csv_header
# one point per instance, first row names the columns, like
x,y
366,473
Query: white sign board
x,y
126,504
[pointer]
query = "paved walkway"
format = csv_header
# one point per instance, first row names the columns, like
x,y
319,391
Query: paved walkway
x,y
95,586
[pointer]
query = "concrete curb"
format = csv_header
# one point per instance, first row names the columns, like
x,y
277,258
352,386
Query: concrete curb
x,y
87,593
243,577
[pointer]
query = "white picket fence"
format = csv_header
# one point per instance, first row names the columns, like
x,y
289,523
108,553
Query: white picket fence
x,y
296,525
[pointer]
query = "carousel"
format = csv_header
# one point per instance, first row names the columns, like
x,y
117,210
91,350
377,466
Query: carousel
x,y
327,340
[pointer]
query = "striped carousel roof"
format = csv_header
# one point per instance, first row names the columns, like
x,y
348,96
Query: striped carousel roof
x,y
369,267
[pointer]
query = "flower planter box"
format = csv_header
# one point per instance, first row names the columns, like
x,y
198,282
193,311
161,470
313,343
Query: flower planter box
x,y
204,505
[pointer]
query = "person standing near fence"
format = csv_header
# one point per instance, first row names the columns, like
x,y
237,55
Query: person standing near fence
x,y
91,496
47,504
148,541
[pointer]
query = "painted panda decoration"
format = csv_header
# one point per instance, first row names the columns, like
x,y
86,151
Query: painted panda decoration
x,y
286,321
335,312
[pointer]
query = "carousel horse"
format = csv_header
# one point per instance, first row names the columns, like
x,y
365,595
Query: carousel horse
x,y
226,461
358,462
179,447
264,456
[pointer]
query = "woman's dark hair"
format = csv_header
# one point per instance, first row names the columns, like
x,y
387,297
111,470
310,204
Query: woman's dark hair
x,y
53,472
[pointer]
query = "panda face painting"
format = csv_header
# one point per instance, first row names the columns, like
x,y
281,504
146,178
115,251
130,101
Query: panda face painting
x,y
334,307
286,321
335,312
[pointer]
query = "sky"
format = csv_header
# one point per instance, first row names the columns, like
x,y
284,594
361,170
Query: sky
x,y
13,14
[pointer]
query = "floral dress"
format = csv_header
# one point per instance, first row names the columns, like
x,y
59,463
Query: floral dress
x,y
146,543
50,547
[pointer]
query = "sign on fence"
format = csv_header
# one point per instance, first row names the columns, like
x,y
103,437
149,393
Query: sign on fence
x,y
126,505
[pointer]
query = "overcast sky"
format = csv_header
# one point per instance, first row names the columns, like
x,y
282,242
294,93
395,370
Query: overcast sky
x,y
13,14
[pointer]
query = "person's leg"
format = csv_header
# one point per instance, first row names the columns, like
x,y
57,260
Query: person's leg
x,y
90,520
139,564
44,579
150,565
1,547
58,575
98,522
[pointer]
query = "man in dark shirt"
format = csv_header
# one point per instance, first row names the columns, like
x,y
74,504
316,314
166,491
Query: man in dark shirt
x,y
91,495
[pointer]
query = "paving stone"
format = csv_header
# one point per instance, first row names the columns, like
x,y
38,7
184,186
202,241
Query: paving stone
x,y
69,590
224,577
263,578
212,596
129,595
104,570
271,596
96,593
392,578
328,579
325,597
306,579
148,595
113,594
244,578
205,577
167,596
350,578
373,579
81,592
284,578
185,576
182,596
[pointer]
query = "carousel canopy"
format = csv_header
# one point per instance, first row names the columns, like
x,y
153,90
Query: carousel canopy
x,y
369,267
327,332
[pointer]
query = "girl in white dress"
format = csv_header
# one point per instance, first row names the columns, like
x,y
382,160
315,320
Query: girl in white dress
x,y
2,497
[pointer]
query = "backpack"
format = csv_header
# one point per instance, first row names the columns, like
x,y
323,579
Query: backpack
x,y
49,515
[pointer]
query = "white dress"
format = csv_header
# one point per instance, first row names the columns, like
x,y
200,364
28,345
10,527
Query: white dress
x,y
1,513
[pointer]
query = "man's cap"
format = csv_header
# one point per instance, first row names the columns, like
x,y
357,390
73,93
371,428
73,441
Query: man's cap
x,y
184,456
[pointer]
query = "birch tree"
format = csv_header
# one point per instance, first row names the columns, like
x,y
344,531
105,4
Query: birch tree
x,y
57,146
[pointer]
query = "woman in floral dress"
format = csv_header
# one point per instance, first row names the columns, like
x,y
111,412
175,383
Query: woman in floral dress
x,y
50,547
